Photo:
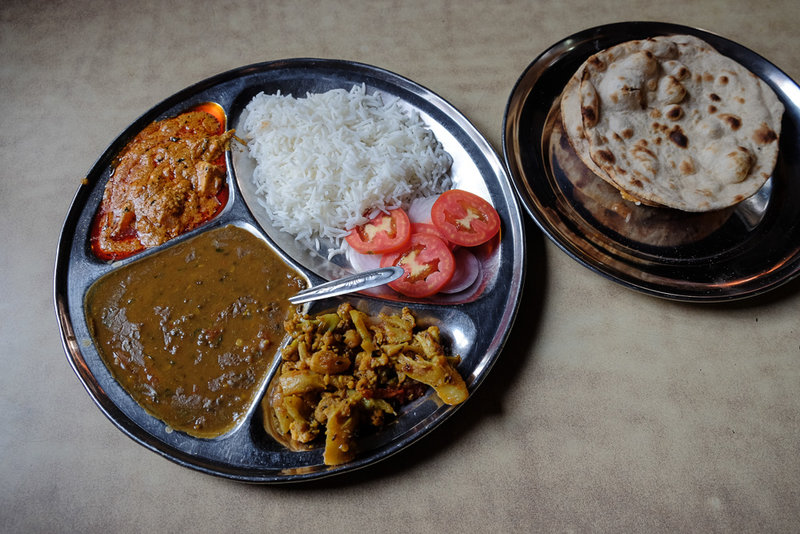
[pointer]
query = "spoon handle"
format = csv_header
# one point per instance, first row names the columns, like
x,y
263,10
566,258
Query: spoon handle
x,y
348,284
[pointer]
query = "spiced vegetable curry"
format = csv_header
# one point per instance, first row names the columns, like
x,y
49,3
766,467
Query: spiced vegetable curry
x,y
190,332
346,370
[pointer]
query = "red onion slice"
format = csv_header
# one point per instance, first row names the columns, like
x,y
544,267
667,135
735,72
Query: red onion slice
x,y
467,270
362,262
420,209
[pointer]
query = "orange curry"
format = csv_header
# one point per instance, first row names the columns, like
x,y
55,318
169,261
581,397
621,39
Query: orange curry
x,y
168,180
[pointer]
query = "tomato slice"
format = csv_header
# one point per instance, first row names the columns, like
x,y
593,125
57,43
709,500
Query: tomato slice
x,y
428,263
427,228
464,218
384,233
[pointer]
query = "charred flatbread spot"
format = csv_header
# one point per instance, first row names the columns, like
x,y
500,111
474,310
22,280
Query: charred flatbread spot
x,y
627,133
738,198
674,113
712,109
677,136
764,135
723,80
655,114
641,148
687,167
732,120
632,94
682,73
714,97
589,114
738,164
597,63
708,77
607,156
635,182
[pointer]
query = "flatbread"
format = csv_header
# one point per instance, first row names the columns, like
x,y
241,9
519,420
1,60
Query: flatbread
x,y
640,223
571,106
670,121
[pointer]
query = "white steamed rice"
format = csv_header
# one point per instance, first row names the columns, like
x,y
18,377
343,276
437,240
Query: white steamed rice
x,y
327,162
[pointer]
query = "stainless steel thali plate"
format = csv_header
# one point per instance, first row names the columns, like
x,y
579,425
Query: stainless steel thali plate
x,y
720,256
475,326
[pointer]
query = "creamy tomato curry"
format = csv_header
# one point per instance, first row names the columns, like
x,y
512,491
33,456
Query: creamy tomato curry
x,y
169,179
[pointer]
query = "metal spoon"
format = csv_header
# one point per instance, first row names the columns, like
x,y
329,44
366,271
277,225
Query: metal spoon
x,y
348,284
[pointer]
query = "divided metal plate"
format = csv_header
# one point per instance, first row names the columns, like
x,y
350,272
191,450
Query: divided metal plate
x,y
476,327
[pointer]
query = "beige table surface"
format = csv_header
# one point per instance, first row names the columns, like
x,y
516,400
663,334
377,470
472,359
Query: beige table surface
x,y
607,411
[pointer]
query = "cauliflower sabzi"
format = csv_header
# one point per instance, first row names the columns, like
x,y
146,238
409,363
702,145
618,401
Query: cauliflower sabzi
x,y
345,370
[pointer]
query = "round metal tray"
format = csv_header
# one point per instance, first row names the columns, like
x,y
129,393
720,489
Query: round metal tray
x,y
476,325
732,254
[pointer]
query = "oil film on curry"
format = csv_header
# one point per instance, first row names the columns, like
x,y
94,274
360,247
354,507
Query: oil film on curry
x,y
177,316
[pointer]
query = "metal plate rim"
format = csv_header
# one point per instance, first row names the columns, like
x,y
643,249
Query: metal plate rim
x,y
523,180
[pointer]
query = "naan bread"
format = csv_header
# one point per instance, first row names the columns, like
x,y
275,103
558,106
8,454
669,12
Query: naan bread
x,y
670,121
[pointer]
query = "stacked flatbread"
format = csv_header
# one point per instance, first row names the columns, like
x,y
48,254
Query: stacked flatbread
x,y
669,121
655,227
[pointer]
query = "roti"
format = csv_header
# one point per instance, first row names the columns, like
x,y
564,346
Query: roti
x,y
640,223
669,121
